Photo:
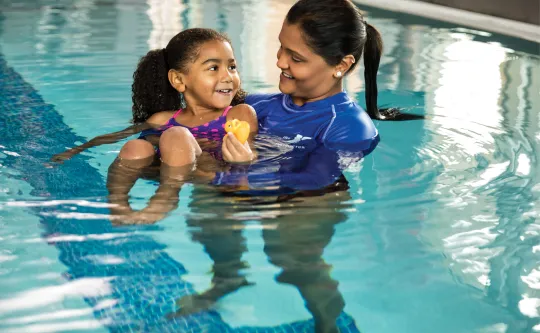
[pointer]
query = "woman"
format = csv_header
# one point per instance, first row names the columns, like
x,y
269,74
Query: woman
x,y
313,114
321,42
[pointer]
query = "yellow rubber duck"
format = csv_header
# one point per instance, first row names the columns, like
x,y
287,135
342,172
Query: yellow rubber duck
x,y
239,128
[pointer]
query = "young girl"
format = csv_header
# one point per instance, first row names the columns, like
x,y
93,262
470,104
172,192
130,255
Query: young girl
x,y
182,97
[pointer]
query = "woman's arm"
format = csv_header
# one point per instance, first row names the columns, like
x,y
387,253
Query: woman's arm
x,y
246,113
100,140
322,168
233,150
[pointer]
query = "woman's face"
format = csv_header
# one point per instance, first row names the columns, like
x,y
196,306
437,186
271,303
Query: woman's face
x,y
304,74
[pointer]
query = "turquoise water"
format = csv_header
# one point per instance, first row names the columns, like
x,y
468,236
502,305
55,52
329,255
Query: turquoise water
x,y
438,232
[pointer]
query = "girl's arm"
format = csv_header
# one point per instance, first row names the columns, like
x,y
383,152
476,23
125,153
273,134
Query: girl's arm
x,y
153,122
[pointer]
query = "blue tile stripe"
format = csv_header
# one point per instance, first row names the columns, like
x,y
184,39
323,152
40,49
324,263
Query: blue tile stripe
x,y
146,282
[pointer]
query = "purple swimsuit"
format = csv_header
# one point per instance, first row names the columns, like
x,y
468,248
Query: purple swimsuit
x,y
213,130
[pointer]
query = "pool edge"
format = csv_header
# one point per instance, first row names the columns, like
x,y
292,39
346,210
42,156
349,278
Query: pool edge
x,y
485,22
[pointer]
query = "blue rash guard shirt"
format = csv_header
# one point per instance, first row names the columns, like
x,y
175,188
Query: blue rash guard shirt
x,y
311,144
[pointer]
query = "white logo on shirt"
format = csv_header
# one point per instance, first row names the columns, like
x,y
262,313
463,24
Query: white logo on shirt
x,y
297,139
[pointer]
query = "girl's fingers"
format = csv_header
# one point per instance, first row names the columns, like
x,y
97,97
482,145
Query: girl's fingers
x,y
234,151
237,145
231,146
225,151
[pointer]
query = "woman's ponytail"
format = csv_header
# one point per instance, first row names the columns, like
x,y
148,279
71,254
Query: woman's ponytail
x,y
372,57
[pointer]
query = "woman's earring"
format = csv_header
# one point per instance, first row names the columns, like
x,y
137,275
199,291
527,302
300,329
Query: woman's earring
x,y
183,103
338,74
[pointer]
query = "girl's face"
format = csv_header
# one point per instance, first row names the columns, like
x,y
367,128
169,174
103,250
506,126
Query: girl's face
x,y
304,74
212,79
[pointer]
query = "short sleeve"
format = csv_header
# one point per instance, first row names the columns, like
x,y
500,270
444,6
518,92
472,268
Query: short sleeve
x,y
351,131
260,102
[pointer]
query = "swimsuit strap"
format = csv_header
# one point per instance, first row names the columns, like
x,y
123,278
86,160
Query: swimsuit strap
x,y
171,120
224,114
177,113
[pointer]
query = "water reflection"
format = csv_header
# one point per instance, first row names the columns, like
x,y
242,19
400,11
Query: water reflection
x,y
440,222
474,155
484,136
166,19
295,230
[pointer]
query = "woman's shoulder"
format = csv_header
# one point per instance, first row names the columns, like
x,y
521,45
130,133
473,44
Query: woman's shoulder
x,y
351,123
242,112
240,109
351,112
254,99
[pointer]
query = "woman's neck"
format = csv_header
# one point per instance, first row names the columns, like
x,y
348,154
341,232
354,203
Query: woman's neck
x,y
336,89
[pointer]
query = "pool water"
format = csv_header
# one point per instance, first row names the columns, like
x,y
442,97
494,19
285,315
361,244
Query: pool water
x,y
439,231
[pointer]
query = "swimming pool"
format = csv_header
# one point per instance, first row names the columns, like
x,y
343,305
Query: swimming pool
x,y
438,232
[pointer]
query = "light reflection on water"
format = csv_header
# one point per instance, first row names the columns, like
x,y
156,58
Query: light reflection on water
x,y
438,229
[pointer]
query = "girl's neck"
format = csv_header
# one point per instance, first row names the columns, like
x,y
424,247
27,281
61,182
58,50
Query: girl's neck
x,y
200,111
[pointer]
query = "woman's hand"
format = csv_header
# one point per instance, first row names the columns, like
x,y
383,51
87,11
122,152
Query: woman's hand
x,y
66,155
235,152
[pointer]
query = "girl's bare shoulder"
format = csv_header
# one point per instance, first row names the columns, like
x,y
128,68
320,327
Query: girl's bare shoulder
x,y
160,118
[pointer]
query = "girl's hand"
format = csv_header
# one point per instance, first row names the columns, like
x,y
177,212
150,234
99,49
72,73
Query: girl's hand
x,y
235,152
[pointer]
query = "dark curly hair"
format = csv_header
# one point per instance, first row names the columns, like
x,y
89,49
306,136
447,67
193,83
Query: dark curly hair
x,y
343,32
151,91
